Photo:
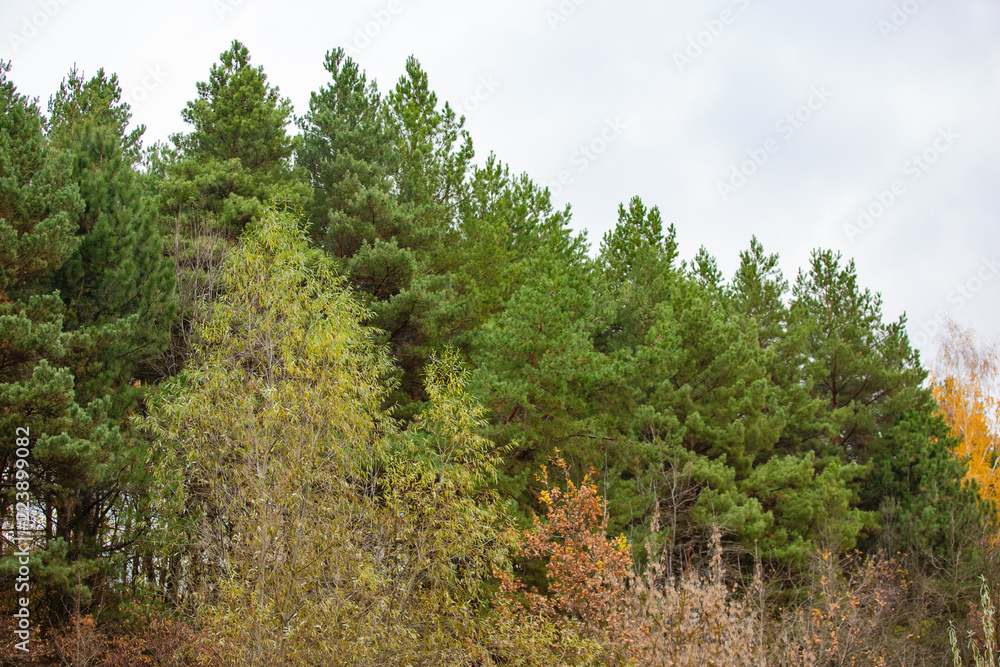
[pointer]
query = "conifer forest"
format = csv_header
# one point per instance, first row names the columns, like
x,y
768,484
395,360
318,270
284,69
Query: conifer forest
x,y
328,386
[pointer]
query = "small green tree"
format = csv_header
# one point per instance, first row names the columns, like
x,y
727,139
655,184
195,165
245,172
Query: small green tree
x,y
117,285
348,149
638,261
118,291
505,223
237,158
97,100
540,376
379,207
435,148
863,368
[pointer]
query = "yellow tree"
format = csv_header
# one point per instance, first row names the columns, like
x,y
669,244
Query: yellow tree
x,y
303,525
965,385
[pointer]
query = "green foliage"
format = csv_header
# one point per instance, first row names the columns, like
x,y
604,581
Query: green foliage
x,y
927,510
85,327
385,225
864,369
705,270
39,209
434,147
117,284
237,158
39,204
706,407
117,288
315,399
348,149
757,291
810,506
539,374
98,101
638,263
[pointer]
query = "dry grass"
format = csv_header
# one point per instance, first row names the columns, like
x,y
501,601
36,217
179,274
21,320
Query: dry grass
x,y
694,619
982,640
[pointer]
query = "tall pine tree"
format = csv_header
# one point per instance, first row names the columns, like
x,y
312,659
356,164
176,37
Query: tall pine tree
x,y
237,158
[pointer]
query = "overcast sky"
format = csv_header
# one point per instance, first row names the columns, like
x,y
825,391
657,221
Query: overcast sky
x,y
865,126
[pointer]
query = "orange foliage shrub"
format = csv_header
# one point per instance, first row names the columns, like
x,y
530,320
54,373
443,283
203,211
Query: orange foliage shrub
x,y
852,617
82,642
586,572
594,591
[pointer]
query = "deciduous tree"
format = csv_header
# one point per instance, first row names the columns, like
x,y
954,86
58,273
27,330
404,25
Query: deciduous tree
x,y
314,529
966,380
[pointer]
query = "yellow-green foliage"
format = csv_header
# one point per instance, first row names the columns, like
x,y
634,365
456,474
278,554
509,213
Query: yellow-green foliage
x,y
320,532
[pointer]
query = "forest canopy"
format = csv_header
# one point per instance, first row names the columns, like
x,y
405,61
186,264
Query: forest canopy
x,y
324,389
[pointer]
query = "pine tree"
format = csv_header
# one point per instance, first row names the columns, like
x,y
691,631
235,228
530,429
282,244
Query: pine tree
x,y
705,270
435,148
40,207
636,250
706,413
117,285
506,223
98,101
705,404
862,368
348,149
118,289
638,262
387,178
930,510
539,375
757,290
113,294
237,158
